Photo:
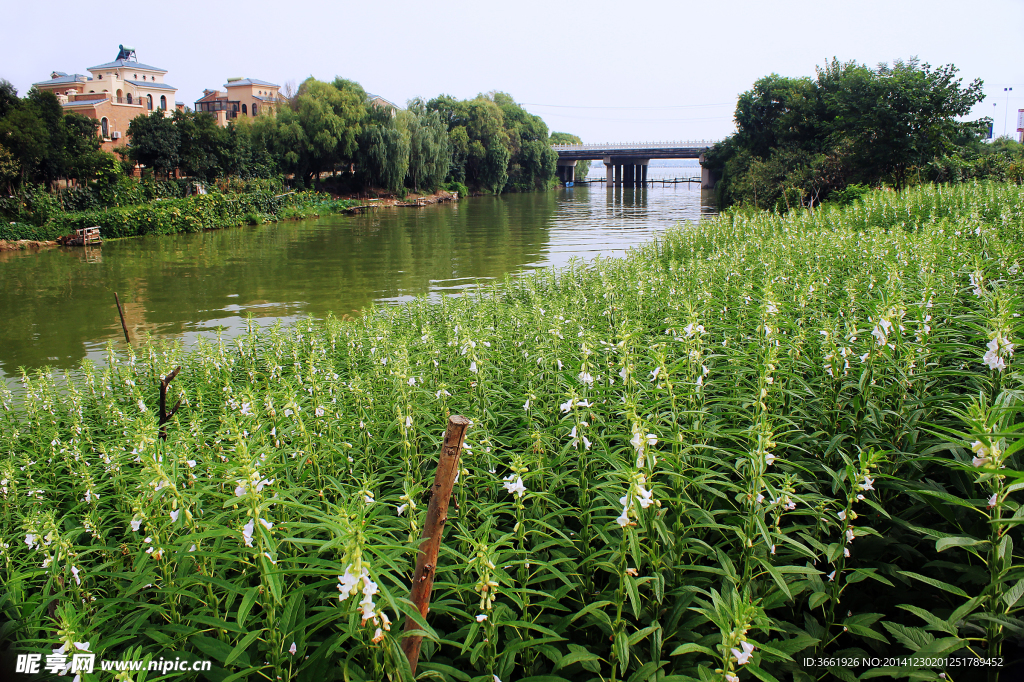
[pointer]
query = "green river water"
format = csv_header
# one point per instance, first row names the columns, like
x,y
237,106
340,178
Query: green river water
x,y
57,306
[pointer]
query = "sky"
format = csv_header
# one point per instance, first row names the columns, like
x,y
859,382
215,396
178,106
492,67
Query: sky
x,y
633,70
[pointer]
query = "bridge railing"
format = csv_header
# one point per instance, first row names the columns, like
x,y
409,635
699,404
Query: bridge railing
x,y
633,145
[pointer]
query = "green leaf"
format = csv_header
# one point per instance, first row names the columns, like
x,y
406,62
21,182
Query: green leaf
x,y
817,599
240,648
957,541
692,647
1013,595
952,589
243,609
912,638
214,648
576,657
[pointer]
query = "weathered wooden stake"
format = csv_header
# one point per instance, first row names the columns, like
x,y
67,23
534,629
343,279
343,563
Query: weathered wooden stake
x,y
433,529
121,313
164,416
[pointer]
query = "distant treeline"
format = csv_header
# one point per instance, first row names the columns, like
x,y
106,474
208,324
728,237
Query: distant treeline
x,y
488,143
803,141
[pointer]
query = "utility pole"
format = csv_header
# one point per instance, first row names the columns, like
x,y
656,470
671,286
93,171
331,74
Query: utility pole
x,y
1007,112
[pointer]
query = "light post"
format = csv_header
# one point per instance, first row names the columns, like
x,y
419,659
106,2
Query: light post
x,y
1007,112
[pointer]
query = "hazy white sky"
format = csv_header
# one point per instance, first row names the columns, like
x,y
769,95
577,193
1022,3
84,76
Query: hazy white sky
x,y
606,71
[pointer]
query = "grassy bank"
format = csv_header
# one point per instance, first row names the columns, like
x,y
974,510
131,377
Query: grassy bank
x,y
758,439
189,214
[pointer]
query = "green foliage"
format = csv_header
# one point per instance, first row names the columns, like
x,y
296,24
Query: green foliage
x,y
429,147
44,144
851,124
383,157
496,145
758,439
156,142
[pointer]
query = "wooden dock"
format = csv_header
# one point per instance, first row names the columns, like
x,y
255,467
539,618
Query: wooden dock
x,y
84,236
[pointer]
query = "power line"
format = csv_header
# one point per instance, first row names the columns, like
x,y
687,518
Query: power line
x,y
639,120
571,106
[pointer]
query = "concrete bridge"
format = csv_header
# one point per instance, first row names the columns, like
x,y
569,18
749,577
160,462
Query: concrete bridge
x,y
626,163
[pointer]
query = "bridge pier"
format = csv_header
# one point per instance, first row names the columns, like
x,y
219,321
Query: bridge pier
x,y
628,170
566,170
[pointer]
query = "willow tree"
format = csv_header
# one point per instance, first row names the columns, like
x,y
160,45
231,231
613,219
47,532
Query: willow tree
x,y
429,147
383,157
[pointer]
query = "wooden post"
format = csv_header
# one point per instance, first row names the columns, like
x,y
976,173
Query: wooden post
x,y
164,416
433,529
121,313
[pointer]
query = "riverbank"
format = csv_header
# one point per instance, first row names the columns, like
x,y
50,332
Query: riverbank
x,y
751,405
198,213
25,244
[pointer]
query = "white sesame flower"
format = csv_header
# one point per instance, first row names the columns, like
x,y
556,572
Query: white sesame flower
x,y
623,518
266,524
743,656
586,378
481,617
992,501
514,487
247,532
402,508
832,576
842,515
292,649
142,406
472,367
174,515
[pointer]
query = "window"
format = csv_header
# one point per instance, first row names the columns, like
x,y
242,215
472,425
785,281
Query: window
x,y
143,77
103,127
119,94
163,102
129,98
244,111
100,76
135,76
149,102
254,108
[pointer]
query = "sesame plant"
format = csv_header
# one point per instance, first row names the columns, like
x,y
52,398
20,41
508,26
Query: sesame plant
x,y
752,449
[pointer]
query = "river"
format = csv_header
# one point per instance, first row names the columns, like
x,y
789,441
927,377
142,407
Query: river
x,y
57,306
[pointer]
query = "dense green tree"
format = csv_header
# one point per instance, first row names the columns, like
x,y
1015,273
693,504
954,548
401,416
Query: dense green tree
x,y
155,142
204,147
495,144
800,139
383,156
10,169
429,147
248,154
331,117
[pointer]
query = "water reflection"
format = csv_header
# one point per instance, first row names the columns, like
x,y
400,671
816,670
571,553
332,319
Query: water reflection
x,y
57,306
